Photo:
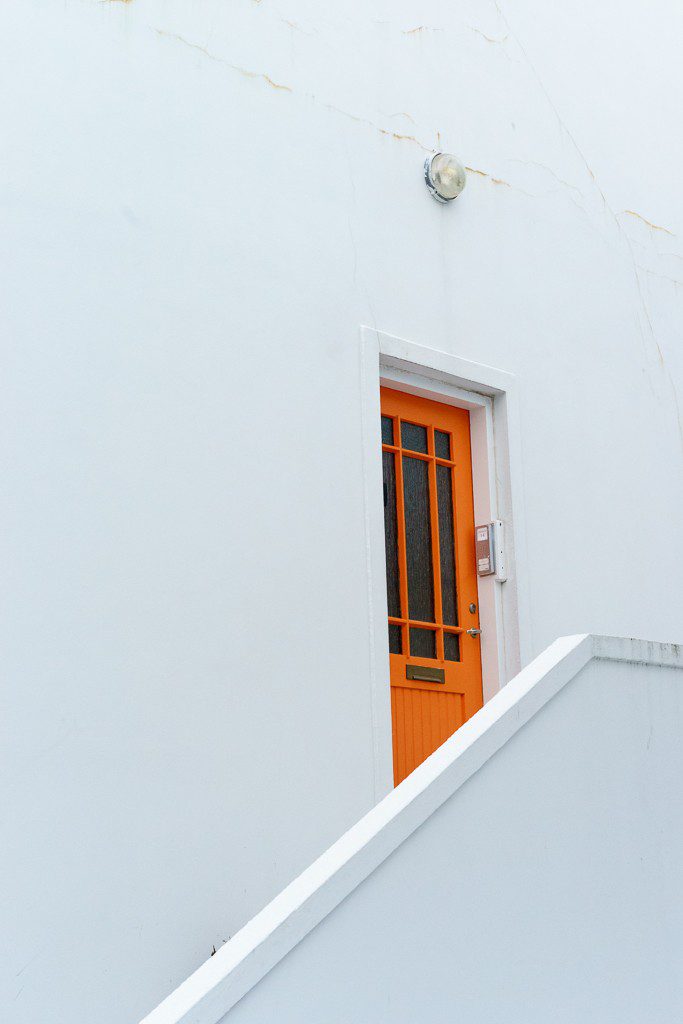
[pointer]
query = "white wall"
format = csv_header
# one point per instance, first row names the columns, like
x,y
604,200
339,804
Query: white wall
x,y
546,888
200,205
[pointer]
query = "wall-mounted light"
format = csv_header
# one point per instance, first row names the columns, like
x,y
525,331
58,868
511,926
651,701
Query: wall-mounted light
x,y
445,176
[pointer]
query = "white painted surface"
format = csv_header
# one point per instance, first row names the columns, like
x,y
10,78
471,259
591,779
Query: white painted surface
x,y
529,868
188,252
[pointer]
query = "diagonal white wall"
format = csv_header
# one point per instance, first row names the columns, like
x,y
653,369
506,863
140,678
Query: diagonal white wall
x,y
530,870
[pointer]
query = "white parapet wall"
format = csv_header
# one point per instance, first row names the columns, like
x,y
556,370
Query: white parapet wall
x,y
530,870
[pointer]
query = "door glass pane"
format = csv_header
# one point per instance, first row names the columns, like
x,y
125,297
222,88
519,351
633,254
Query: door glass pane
x,y
391,533
451,646
387,430
442,444
418,539
446,545
414,437
422,643
395,641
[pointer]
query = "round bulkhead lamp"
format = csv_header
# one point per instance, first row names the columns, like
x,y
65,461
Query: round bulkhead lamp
x,y
445,176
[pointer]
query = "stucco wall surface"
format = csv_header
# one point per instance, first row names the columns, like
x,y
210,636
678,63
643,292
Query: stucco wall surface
x,y
547,888
200,204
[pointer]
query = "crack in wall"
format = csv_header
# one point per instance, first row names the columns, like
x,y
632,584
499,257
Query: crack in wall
x,y
643,302
653,227
419,29
296,27
500,182
415,140
549,170
402,113
371,124
402,137
245,72
385,132
489,39
485,174
662,277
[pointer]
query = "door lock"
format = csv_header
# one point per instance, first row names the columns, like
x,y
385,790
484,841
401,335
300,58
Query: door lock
x,y
473,632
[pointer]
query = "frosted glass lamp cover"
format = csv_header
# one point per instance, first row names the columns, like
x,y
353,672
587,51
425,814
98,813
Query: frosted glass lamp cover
x,y
445,176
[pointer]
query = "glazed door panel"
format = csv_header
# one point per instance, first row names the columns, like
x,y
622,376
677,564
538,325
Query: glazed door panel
x,y
431,574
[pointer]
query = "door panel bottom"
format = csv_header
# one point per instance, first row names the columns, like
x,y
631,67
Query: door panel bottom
x,y
423,720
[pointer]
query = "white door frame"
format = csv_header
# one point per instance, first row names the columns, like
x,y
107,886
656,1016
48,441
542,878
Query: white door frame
x,y
490,396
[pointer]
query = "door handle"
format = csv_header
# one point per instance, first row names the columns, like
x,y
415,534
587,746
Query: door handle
x,y
473,632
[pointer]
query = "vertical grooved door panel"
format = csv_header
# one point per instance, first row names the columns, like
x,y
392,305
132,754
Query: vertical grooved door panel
x,y
422,722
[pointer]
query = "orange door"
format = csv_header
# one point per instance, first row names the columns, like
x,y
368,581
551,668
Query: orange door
x,y
431,574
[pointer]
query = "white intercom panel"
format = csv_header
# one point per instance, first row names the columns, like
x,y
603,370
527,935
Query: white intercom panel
x,y
490,552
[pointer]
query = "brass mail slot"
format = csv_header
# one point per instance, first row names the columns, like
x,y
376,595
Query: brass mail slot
x,y
424,674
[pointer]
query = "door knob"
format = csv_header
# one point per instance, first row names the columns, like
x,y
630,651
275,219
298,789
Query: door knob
x,y
473,632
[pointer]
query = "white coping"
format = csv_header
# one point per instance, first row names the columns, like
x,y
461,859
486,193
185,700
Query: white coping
x,y
218,984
